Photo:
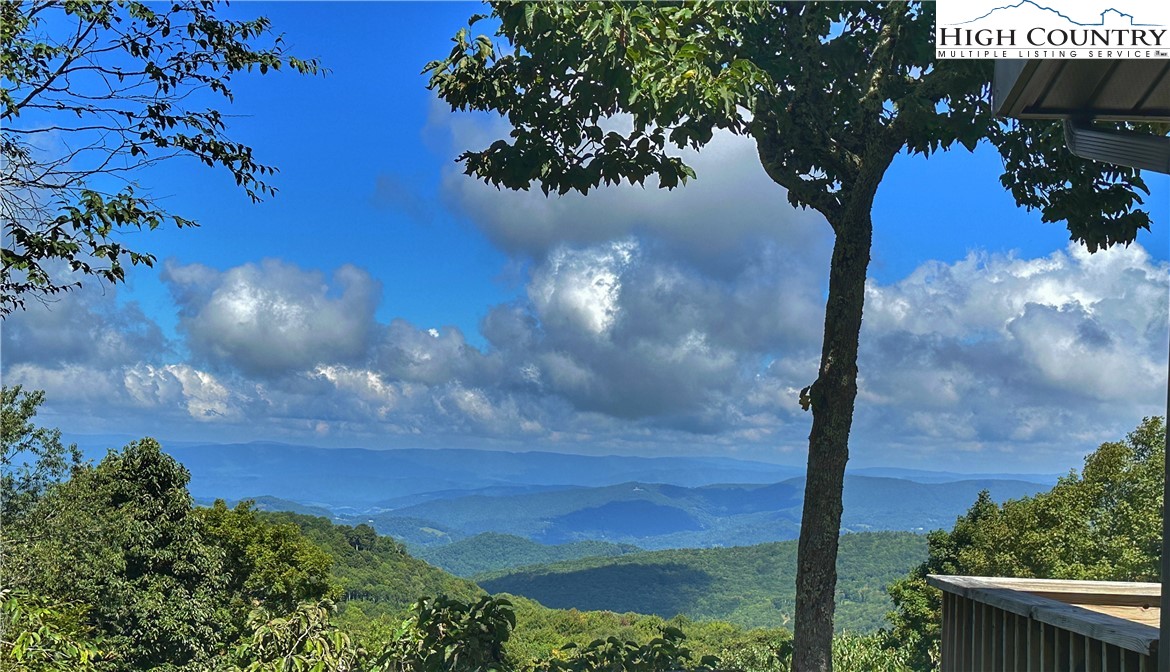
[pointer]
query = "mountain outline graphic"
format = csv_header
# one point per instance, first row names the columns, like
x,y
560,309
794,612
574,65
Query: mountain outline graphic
x,y
1057,12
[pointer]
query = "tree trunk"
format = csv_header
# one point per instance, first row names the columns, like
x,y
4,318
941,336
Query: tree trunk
x,y
832,397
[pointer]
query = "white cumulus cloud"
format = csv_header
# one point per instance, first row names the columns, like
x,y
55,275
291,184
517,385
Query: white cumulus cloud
x,y
996,352
272,318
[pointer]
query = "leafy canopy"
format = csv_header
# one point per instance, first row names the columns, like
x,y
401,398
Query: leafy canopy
x,y
31,458
1101,524
158,581
600,93
40,634
112,569
121,538
263,563
92,93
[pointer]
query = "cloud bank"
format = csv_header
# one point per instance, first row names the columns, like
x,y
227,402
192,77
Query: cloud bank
x,y
619,344
647,322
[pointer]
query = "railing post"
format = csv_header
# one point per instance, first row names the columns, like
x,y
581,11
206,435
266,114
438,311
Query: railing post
x,y
1164,620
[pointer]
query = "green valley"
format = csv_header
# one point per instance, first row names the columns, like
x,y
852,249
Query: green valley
x,y
114,566
559,336
751,586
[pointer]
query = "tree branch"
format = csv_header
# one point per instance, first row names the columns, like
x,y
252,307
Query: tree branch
x,y
73,55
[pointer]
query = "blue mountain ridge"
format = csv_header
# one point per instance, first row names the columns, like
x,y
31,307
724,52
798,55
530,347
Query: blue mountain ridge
x,y
657,516
356,480
1060,14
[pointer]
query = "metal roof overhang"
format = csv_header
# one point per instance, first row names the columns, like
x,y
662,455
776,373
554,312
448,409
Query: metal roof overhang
x,y
1112,90
1080,91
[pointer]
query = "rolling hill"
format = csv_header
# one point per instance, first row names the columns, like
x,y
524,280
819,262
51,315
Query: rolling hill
x,y
376,572
753,586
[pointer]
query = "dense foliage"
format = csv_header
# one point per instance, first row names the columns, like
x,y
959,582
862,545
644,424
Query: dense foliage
x,y
31,457
39,634
1104,524
110,567
160,581
374,572
303,640
265,563
542,633
123,538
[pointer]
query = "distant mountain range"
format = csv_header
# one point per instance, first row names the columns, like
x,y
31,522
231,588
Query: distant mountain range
x,y
428,497
361,478
658,516
358,480
273,504
1027,12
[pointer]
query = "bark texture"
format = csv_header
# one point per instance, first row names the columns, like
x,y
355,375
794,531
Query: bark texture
x,y
832,399
862,157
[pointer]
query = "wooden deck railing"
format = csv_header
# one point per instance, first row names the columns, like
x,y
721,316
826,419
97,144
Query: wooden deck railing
x,y
1036,625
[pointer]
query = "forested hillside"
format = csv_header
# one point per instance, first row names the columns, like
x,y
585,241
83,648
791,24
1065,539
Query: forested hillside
x,y
541,633
490,552
376,569
750,586
111,568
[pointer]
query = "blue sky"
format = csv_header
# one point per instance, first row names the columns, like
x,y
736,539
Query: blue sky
x,y
382,299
